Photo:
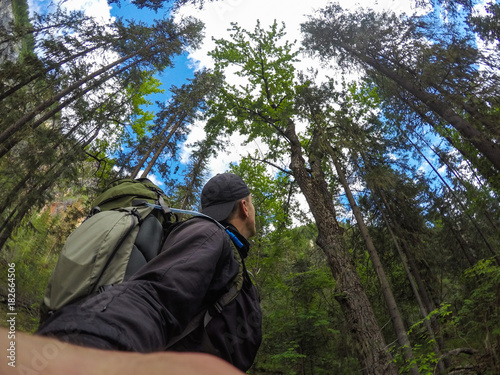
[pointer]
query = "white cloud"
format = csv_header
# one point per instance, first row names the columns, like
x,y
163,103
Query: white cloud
x,y
233,152
98,9
152,178
219,15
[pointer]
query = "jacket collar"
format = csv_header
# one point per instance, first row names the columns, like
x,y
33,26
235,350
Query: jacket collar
x,y
246,245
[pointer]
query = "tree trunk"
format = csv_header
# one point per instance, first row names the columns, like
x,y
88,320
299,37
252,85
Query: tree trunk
x,y
154,144
490,125
487,171
464,246
161,147
46,104
485,145
12,141
195,174
8,198
473,221
18,190
372,349
404,247
390,301
43,73
25,206
424,311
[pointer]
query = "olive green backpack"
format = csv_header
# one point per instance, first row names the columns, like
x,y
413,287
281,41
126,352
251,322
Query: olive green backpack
x,y
124,231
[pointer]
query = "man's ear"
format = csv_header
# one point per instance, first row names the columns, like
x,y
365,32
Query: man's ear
x,y
244,208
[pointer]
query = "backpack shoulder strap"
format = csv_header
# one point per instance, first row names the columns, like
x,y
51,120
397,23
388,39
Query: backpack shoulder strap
x,y
206,315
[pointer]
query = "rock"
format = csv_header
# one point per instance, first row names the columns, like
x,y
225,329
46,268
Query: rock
x,y
9,51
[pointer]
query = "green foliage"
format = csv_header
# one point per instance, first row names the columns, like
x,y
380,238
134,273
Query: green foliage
x,y
34,249
364,97
423,346
266,100
486,25
290,356
474,324
271,194
304,330
417,62
479,316
101,98
141,118
425,360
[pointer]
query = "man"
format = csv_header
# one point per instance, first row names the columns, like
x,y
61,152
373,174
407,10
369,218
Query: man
x,y
196,266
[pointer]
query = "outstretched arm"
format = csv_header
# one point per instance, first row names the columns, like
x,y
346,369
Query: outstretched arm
x,y
47,356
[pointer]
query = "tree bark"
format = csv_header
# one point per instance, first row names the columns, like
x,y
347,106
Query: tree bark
x,y
24,206
46,104
487,171
462,242
473,221
470,109
196,173
372,350
154,144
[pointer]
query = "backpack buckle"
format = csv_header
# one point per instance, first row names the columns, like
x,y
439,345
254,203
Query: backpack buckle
x,y
215,309
103,288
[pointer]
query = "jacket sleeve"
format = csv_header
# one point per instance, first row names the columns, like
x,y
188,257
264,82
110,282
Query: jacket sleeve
x,y
143,313
192,269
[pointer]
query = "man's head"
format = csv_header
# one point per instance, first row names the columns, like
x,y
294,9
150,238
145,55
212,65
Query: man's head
x,y
226,197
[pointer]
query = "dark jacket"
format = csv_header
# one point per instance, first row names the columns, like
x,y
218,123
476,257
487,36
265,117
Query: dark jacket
x,y
192,271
